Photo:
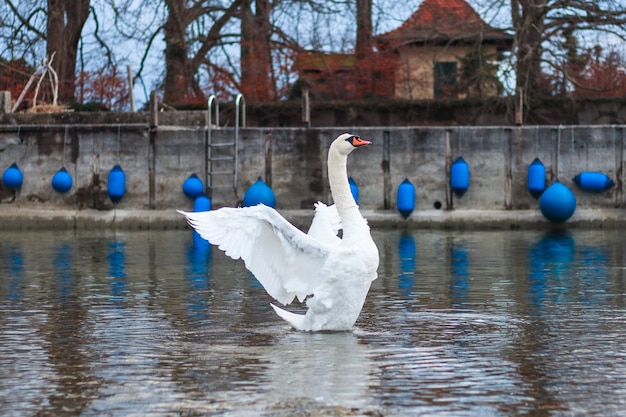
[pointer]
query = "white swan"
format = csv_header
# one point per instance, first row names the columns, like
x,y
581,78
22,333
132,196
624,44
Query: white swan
x,y
333,274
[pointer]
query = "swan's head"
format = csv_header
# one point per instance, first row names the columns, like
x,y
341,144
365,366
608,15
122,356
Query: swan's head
x,y
347,142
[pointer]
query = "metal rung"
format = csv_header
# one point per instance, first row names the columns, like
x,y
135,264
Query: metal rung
x,y
222,186
217,145
222,172
222,158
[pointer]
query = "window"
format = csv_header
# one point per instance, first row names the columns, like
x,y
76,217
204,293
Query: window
x,y
445,80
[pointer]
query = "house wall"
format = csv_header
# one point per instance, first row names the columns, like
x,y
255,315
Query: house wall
x,y
415,72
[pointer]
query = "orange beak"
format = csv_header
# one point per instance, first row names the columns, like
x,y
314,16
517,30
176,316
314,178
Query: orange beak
x,y
360,142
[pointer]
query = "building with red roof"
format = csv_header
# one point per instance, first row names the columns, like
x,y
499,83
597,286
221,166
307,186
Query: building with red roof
x,y
443,50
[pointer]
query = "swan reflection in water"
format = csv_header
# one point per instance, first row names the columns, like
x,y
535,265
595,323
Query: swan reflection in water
x,y
330,367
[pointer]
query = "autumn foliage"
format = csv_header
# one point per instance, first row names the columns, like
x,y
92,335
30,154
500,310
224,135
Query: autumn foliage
x,y
107,87
601,77
14,76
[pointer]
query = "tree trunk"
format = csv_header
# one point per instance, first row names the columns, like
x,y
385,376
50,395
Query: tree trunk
x,y
529,21
181,86
364,64
66,19
256,60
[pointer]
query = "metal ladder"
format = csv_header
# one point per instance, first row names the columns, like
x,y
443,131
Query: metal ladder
x,y
219,154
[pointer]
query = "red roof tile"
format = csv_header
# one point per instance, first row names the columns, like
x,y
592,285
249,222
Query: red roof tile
x,y
443,21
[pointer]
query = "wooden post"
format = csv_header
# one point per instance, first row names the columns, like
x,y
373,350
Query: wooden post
x,y
449,202
519,107
268,156
5,102
306,108
508,169
154,125
386,165
131,95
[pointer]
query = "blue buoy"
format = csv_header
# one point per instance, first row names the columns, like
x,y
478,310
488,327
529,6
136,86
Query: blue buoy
x,y
259,193
557,203
202,203
459,176
62,181
193,187
12,177
405,201
536,178
116,184
354,189
593,181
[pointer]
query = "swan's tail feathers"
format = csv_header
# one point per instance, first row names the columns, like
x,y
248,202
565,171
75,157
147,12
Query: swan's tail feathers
x,y
297,321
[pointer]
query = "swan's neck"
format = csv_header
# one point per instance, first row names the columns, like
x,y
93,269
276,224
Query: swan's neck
x,y
348,211
338,180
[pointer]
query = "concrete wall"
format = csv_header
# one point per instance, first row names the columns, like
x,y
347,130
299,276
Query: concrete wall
x,y
293,162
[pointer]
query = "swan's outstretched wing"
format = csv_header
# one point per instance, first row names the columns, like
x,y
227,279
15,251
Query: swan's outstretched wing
x,y
285,260
326,224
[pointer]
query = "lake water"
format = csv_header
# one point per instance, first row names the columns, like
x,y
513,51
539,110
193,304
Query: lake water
x,y
502,323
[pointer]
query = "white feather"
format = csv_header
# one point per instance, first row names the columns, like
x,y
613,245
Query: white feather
x,y
334,273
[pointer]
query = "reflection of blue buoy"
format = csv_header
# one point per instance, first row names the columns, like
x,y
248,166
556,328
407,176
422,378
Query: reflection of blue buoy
x,y
557,203
116,185
460,263
117,269
200,244
13,265
354,189
405,201
459,176
202,203
550,264
197,276
12,177
406,251
593,181
536,178
193,187
259,193
62,181
63,265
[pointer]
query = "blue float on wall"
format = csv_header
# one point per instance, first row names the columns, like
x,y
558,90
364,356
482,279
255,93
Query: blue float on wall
x,y
593,181
557,203
354,189
62,181
536,178
459,176
12,177
193,187
116,185
259,193
405,201
202,203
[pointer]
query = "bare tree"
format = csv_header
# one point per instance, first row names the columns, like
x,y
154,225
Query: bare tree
x,y
545,33
186,48
59,25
